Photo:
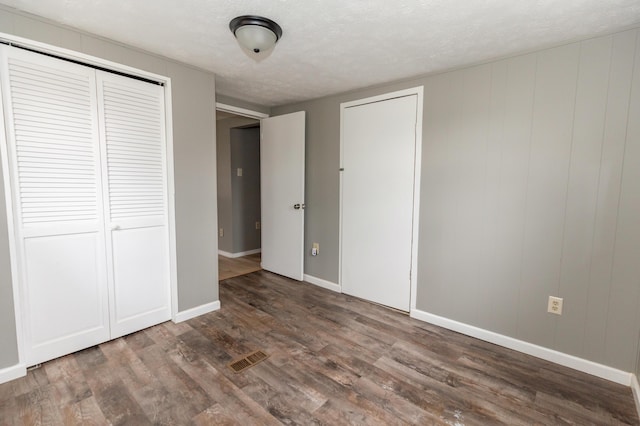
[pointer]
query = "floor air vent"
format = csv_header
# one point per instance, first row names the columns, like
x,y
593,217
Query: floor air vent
x,y
247,361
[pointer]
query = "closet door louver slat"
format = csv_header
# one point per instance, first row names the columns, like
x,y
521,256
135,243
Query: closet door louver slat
x,y
134,115
38,97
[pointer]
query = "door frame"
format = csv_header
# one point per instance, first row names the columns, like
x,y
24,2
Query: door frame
x,y
19,370
241,112
419,92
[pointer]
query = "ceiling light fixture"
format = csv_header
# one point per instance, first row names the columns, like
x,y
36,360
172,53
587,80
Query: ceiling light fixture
x,y
255,33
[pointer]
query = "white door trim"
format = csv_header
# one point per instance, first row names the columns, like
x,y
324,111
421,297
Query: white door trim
x,y
92,60
419,92
240,111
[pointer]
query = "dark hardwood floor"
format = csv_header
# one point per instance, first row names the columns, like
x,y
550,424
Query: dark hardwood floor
x,y
333,360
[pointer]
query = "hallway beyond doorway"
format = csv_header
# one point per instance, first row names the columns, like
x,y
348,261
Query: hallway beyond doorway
x,y
233,267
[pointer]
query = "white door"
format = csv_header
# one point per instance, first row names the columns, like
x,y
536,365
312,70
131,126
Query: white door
x,y
134,171
53,152
282,193
378,157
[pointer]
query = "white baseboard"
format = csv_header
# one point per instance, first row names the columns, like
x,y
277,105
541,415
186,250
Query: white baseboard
x,y
635,387
13,372
580,364
322,283
239,254
197,311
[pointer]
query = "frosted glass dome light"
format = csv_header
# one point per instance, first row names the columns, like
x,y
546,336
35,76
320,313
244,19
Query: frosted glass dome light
x,y
255,33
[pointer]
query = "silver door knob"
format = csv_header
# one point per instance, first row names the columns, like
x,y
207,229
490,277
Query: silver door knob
x,y
296,206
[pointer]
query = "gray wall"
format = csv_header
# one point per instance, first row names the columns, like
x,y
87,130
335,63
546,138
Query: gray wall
x,y
223,148
530,187
9,352
245,189
322,161
193,96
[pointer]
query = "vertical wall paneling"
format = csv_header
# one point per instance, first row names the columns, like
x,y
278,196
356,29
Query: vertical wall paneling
x,y
501,313
438,203
487,291
471,143
551,211
544,192
551,133
584,171
605,221
622,320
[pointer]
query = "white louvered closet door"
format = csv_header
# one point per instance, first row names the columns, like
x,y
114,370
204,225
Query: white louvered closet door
x,y
134,169
54,163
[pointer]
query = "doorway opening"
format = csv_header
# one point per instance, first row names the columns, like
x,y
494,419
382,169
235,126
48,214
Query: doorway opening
x,y
238,185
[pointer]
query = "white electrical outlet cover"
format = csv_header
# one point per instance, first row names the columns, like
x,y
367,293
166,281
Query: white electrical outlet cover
x,y
555,305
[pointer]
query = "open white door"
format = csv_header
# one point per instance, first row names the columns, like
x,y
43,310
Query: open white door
x,y
282,192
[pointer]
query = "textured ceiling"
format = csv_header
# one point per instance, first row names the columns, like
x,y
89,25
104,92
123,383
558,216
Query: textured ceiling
x,y
332,46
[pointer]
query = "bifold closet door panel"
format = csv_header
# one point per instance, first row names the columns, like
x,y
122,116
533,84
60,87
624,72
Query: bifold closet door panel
x,y
135,171
54,164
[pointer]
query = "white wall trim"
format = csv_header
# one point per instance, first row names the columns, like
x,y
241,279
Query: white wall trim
x,y
12,373
580,364
239,254
171,200
635,387
197,311
322,283
240,111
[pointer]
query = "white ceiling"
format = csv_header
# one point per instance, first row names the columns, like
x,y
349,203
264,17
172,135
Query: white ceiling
x,y
332,46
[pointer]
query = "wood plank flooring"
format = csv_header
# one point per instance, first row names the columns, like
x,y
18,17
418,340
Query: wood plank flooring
x,y
333,360
233,267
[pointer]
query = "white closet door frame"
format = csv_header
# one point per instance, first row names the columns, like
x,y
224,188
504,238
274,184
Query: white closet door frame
x,y
19,369
419,92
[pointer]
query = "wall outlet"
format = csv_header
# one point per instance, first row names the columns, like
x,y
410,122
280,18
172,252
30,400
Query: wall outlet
x,y
555,305
221,232
239,171
257,225
315,249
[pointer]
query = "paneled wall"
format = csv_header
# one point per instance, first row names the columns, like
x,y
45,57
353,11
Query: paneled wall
x,y
193,97
530,188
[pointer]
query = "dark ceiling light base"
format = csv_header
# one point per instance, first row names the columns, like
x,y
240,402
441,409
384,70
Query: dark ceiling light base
x,y
256,33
